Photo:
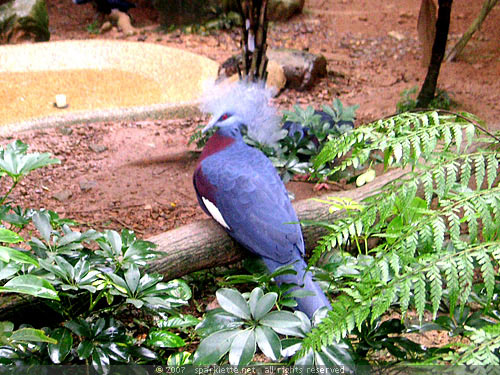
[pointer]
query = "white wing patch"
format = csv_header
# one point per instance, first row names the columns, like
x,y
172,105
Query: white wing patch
x,y
214,211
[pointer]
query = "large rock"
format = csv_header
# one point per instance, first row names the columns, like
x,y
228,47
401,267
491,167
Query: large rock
x,y
24,20
302,69
282,10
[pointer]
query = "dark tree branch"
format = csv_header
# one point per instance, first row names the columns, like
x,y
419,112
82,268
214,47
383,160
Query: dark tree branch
x,y
438,50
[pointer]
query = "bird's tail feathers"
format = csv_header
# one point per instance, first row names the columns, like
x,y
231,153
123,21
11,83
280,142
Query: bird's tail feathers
x,y
304,280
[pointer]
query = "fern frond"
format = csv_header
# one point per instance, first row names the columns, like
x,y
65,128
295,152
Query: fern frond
x,y
465,269
487,272
436,288
479,170
491,168
482,349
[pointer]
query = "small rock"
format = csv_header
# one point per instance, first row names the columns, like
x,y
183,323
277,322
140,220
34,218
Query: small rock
x,y
97,148
106,26
62,195
87,185
363,18
396,35
65,130
282,10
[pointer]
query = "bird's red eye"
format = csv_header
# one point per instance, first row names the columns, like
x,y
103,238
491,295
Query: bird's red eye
x,y
225,116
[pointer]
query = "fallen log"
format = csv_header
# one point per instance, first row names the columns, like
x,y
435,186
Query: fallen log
x,y
193,247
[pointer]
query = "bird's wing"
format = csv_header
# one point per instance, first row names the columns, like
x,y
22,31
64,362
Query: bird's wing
x,y
252,200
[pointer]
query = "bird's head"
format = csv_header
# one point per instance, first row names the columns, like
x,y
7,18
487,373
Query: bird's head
x,y
224,122
243,104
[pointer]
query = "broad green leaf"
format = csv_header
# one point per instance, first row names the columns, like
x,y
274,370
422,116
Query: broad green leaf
x,y
179,359
132,277
115,241
255,295
6,326
136,302
280,319
42,224
16,255
100,361
179,322
212,348
232,301
217,320
31,335
60,350
84,349
242,348
268,342
264,305
32,285
165,339
8,236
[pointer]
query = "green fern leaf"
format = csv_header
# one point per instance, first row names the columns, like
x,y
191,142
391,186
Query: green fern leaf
x,y
417,152
491,168
470,133
419,295
404,296
361,314
457,134
446,133
482,208
395,263
436,288
452,283
454,227
440,180
487,272
466,277
438,229
383,268
466,171
471,218
383,302
479,170
451,175
397,151
428,185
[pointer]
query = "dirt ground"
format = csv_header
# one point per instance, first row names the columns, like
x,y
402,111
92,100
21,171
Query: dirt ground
x,y
138,175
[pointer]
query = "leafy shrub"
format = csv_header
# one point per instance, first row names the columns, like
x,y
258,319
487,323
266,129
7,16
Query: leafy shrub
x,y
438,251
92,281
408,100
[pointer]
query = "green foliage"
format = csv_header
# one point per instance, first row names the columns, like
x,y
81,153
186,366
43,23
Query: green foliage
x,y
29,16
240,326
91,280
429,252
94,28
408,100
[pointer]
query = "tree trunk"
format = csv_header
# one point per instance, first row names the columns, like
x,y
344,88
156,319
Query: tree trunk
x,y
438,50
476,25
197,246
253,39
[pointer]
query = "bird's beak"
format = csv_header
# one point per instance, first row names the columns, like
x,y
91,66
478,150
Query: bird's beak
x,y
210,125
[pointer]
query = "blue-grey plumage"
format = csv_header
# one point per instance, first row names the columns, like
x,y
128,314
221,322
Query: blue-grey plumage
x,y
240,188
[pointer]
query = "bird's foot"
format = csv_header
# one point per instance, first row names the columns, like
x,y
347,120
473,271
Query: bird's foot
x,y
321,185
302,177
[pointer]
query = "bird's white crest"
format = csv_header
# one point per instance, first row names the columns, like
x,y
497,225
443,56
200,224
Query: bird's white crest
x,y
251,103
214,211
